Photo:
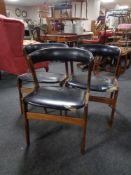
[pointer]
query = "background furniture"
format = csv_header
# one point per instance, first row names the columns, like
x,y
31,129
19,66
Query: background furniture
x,y
68,38
12,59
36,33
100,39
2,7
11,55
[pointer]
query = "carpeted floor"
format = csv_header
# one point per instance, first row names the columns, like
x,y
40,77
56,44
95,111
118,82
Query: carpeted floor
x,y
54,148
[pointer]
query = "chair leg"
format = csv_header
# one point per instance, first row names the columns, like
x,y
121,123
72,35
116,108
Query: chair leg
x,y
45,109
84,131
19,85
0,75
112,93
26,123
115,95
60,112
66,112
46,69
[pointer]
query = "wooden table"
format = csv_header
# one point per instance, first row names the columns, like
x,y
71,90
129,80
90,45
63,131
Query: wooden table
x,y
64,38
121,43
27,42
114,38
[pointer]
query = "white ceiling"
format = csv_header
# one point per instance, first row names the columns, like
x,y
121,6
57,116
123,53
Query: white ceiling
x,y
117,2
39,2
31,2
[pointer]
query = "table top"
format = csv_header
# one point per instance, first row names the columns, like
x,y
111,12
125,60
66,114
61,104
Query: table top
x,y
27,42
121,43
64,37
68,34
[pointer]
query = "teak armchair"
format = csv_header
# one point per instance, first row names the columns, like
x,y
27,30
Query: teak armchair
x,y
102,81
58,98
24,80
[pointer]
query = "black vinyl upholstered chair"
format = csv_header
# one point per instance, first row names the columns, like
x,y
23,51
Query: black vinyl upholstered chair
x,y
24,80
58,97
102,80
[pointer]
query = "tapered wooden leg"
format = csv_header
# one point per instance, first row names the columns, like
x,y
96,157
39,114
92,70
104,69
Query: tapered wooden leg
x,y
0,75
84,130
112,93
60,112
19,85
66,112
45,109
113,109
46,69
26,123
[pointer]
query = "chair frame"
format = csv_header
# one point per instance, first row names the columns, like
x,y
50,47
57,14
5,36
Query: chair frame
x,y
81,122
26,90
112,100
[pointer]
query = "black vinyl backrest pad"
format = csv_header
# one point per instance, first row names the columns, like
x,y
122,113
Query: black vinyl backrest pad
x,y
102,50
61,54
33,47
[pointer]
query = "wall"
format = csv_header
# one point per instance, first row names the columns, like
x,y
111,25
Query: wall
x,y
32,13
93,8
11,11
93,11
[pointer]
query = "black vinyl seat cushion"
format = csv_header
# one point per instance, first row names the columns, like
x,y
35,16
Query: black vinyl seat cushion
x,y
60,98
43,77
99,84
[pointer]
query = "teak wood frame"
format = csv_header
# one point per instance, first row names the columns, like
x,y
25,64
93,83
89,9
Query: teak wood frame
x,y
81,122
112,99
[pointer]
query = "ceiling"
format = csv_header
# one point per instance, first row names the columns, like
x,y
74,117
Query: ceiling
x,y
117,2
31,2
39,2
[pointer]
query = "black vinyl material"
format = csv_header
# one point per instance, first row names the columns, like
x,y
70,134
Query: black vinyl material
x,y
100,84
61,54
33,47
57,98
102,50
43,77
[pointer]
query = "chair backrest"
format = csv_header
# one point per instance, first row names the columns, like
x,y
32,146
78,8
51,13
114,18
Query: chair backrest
x,y
33,47
62,55
106,54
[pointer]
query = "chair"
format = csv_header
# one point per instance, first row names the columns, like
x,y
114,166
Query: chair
x,y
102,80
27,35
36,32
101,39
59,98
43,77
12,59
